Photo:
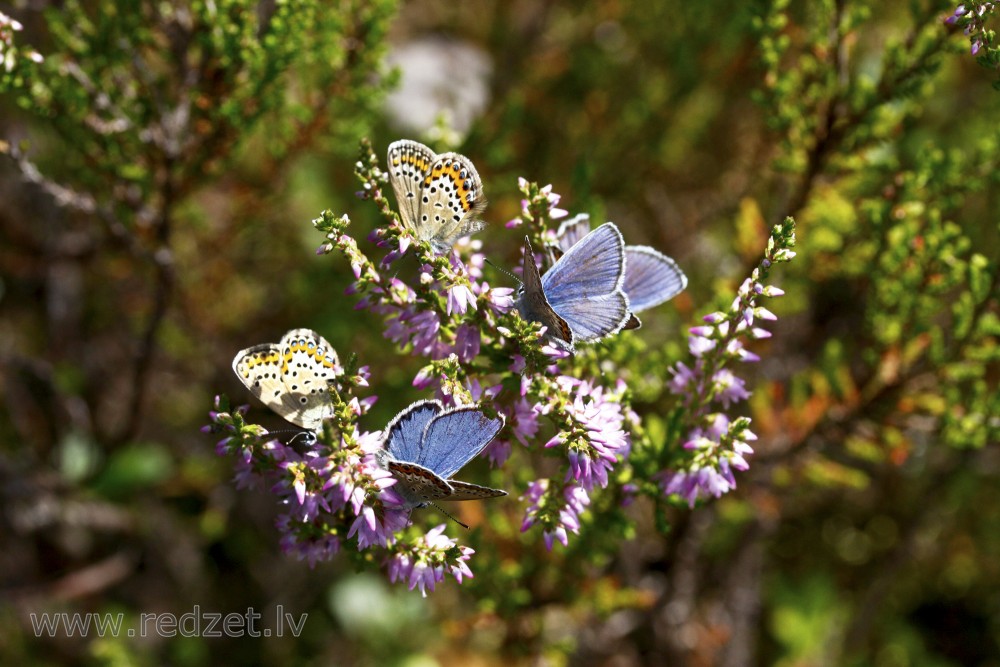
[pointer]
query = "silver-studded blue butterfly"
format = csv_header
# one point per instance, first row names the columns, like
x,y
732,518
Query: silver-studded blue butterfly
x,y
292,377
581,298
440,196
425,444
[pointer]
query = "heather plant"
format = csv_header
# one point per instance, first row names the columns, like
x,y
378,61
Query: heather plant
x,y
571,414
716,487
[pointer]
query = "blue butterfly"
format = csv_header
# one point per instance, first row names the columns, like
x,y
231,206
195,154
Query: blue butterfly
x,y
581,298
424,445
651,278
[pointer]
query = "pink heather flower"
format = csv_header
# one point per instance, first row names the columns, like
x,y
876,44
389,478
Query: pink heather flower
x,y
717,427
518,365
699,345
557,524
500,299
480,393
404,243
524,421
246,477
301,479
498,451
554,351
390,257
460,299
729,388
467,342
424,329
373,532
689,485
306,541
400,293
606,439
735,349
534,495
425,377
684,378
427,563
569,516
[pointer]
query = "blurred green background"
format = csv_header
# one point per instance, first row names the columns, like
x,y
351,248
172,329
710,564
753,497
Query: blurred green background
x,y
159,172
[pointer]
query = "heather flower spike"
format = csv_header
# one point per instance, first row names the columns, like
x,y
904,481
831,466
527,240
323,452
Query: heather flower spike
x,y
716,445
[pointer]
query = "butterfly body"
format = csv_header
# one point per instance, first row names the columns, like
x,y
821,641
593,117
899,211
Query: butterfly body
x,y
440,196
580,298
425,445
292,376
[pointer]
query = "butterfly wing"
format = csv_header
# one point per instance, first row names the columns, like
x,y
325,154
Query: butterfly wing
x,y
451,199
572,231
455,437
532,305
409,166
291,377
467,491
651,278
259,369
417,485
585,286
404,433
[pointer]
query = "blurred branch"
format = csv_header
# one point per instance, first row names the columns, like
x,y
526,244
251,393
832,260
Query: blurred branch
x,y
66,197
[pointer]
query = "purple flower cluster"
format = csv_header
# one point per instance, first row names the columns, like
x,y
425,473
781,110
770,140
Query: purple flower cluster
x,y
426,562
545,206
415,318
717,445
321,488
556,512
971,17
594,437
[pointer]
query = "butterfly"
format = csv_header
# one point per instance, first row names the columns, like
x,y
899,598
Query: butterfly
x,y
579,299
424,445
651,278
440,196
291,377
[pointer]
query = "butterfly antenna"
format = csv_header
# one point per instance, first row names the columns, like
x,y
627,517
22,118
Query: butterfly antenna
x,y
309,437
439,509
501,269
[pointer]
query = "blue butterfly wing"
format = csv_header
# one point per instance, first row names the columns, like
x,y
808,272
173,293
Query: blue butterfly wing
x,y
455,437
585,286
405,432
651,278
594,267
572,231
595,318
